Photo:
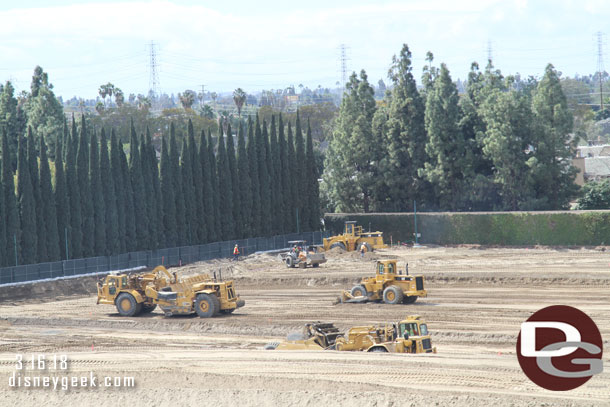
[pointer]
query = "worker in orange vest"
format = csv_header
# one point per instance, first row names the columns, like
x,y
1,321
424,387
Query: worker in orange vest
x,y
236,252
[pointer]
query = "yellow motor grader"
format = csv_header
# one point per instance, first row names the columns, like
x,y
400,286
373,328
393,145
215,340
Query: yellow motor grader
x,y
353,238
133,294
389,285
407,336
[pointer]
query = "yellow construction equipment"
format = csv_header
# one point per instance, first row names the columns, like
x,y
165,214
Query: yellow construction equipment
x,y
407,336
389,285
133,294
301,255
353,238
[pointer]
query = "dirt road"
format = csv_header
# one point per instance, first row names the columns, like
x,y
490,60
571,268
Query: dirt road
x,y
477,301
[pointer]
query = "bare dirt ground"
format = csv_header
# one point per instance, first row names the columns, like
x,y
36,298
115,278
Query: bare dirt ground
x,y
478,298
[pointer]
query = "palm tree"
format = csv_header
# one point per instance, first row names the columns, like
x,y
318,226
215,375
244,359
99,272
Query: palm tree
x,y
239,97
187,99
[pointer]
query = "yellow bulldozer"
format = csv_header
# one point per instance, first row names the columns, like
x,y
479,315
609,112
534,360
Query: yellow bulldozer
x,y
407,336
134,294
389,285
353,238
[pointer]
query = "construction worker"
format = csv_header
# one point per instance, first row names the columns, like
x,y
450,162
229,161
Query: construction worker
x,y
236,252
362,250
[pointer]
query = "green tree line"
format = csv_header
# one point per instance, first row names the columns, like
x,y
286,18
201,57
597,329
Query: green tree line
x,y
94,196
503,144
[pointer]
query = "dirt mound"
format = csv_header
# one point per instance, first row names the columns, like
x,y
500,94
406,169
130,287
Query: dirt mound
x,y
49,290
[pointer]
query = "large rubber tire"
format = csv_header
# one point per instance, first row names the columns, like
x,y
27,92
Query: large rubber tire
x,y
409,299
289,262
146,309
205,306
338,244
216,305
392,295
379,349
127,305
369,248
358,291
316,265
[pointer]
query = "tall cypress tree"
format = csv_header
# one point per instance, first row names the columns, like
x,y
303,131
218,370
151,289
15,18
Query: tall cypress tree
x,y
113,244
225,192
188,193
84,185
174,157
137,185
99,207
62,208
406,136
119,191
446,146
215,188
299,146
235,202
148,174
168,196
553,174
131,236
244,187
312,188
274,175
27,208
208,198
255,218
291,202
283,179
265,155
3,248
49,212
75,236
11,211
198,223
32,159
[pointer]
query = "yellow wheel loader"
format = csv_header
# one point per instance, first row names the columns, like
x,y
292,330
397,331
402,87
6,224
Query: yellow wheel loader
x,y
407,336
389,285
133,294
353,238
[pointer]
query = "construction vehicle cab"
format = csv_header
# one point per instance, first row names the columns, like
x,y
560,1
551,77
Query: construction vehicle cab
x,y
389,285
353,238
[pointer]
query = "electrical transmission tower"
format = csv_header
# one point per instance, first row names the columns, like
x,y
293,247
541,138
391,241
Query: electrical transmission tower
x,y
153,85
489,51
600,68
343,60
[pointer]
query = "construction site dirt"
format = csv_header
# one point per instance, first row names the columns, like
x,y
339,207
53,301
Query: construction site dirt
x,y
477,299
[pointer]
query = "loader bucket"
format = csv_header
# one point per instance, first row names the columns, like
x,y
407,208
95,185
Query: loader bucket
x,y
347,297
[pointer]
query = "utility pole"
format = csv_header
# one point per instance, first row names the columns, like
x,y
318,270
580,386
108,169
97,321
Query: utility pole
x,y
600,68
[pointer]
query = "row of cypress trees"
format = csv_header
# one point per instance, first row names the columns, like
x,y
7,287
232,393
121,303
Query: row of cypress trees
x,y
98,200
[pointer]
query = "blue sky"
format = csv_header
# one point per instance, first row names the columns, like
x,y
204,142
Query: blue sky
x,y
273,44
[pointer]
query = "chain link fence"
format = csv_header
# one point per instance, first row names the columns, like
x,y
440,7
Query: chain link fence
x,y
169,257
